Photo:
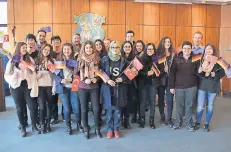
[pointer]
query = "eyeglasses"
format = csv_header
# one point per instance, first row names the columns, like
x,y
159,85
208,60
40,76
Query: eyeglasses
x,y
115,47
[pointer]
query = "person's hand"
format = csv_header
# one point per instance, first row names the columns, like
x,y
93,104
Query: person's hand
x,y
150,73
119,80
212,74
63,81
172,91
166,68
94,80
88,81
111,83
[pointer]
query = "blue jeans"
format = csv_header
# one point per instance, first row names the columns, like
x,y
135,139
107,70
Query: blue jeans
x,y
169,103
204,96
113,120
70,99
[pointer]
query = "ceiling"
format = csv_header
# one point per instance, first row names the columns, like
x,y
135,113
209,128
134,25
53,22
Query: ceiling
x,y
214,2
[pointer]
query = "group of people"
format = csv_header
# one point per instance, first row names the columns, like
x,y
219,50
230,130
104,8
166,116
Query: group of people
x,y
195,83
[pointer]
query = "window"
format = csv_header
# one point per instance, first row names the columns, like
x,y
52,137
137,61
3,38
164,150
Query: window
x,y
3,18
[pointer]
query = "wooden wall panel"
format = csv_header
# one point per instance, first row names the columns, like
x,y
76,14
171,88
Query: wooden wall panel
x,y
198,15
225,16
22,30
212,36
202,30
39,26
77,10
61,11
10,12
184,15
23,13
63,30
42,8
134,12
225,40
167,14
116,12
151,14
169,31
183,34
99,7
213,16
138,29
116,32
151,34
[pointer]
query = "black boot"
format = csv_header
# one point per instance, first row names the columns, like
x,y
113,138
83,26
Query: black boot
x,y
127,124
23,131
122,127
69,129
98,133
80,127
86,133
35,129
151,123
48,125
142,122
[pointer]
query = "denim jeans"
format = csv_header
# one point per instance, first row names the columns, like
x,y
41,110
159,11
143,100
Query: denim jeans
x,y
113,121
70,99
169,104
185,99
204,96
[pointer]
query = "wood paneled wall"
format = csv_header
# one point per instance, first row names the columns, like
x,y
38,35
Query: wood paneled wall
x,y
150,21
225,41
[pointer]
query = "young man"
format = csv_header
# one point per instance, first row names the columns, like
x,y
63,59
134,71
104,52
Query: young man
x,y
197,47
41,39
107,42
130,36
31,42
183,82
76,43
57,48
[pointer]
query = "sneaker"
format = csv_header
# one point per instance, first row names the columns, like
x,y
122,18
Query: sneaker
x,y
190,128
117,134
170,124
197,126
109,134
206,127
175,127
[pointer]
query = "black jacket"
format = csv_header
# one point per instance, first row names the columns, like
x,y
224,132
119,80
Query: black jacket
x,y
183,74
209,83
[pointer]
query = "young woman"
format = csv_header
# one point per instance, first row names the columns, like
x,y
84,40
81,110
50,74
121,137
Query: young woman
x,y
63,82
150,81
165,49
114,91
209,85
128,54
88,86
138,49
23,85
100,48
45,83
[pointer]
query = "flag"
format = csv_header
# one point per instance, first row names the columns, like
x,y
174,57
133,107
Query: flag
x,y
59,64
155,59
103,76
155,70
47,29
223,64
75,84
137,64
28,65
72,63
162,59
129,73
196,58
51,67
210,58
16,58
57,71
228,72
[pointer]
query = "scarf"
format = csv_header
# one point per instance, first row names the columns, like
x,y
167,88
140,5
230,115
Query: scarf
x,y
88,65
114,57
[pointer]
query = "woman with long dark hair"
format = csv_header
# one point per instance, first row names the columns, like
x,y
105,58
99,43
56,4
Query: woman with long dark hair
x,y
23,85
165,49
209,85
